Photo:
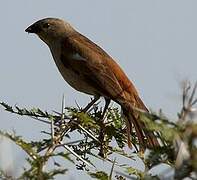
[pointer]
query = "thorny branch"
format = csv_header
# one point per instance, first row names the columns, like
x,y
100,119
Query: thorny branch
x,y
96,134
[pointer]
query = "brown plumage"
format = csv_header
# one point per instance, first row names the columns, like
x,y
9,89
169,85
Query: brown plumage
x,y
89,69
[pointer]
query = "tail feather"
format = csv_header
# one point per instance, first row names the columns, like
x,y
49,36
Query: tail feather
x,y
146,138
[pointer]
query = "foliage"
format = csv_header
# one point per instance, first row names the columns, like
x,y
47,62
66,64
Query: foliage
x,y
103,138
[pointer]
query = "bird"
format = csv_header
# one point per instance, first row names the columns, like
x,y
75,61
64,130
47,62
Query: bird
x,y
87,68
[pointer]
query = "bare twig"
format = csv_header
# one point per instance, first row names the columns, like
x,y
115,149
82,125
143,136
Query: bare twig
x,y
112,169
188,100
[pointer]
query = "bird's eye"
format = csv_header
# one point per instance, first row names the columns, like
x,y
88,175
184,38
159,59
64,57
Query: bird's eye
x,y
46,25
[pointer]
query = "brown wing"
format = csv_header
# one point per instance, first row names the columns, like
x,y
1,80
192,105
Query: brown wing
x,y
93,65
103,71
129,90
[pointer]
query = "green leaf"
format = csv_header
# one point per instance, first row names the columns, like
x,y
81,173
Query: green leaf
x,y
167,132
7,107
99,175
133,171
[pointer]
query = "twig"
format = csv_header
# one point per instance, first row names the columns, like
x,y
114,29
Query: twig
x,y
41,120
63,102
88,133
112,169
76,155
52,131
71,143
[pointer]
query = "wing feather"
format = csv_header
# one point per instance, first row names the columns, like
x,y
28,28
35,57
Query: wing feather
x,y
96,69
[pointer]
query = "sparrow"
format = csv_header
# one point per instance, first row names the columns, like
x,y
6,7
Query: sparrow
x,y
89,69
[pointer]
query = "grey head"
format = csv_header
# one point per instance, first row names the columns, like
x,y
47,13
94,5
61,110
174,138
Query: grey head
x,y
51,29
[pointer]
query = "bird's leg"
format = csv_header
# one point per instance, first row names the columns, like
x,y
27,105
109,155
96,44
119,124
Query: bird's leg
x,y
107,102
102,129
96,98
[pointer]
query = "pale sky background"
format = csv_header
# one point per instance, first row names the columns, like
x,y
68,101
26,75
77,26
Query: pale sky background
x,y
154,41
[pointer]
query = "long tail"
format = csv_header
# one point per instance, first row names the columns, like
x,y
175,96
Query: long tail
x,y
146,138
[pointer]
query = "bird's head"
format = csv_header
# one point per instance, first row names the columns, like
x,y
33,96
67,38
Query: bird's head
x,y
50,29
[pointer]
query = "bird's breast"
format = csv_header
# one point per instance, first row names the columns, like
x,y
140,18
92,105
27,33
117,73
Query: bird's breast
x,y
72,76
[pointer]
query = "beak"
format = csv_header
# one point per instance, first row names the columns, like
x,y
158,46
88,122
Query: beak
x,y
34,28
